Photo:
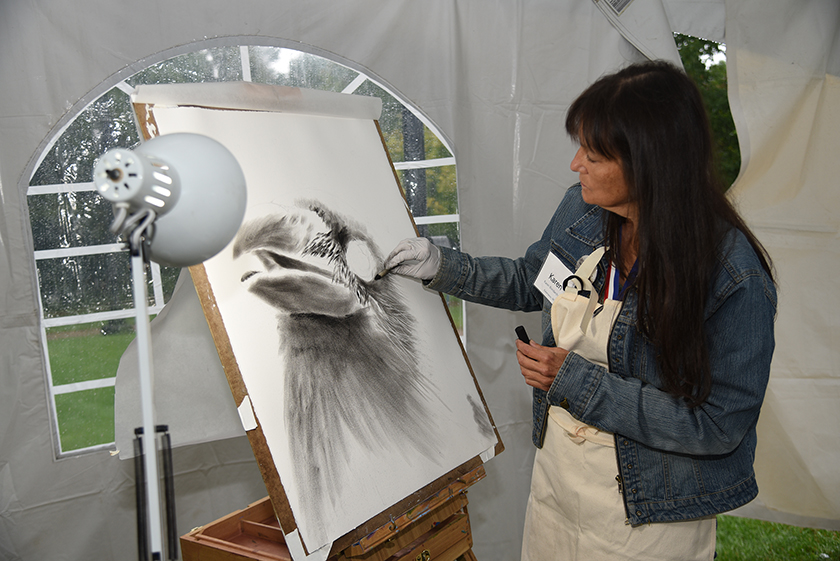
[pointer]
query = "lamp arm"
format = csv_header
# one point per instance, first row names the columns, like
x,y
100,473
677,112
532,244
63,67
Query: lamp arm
x,y
144,230
121,213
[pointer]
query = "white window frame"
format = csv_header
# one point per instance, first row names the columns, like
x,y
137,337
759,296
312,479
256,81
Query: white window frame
x,y
120,83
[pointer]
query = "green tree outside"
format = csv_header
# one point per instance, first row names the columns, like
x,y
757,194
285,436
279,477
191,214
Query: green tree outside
x,y
696,55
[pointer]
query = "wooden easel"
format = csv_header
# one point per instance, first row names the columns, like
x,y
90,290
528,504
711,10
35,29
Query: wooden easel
x,y
437,529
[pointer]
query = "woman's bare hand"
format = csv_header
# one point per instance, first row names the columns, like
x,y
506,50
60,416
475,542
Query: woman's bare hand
x,y
539,365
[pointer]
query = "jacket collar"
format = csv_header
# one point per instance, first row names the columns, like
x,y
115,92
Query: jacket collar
x,y
589,228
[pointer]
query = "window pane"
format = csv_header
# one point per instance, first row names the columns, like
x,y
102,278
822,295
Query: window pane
x,y
287,67
85,284
391,120
85,418
439,186
398,123
169,277
88,284
106,124
72,347
218,64
434,147
70,220
446,235
441,191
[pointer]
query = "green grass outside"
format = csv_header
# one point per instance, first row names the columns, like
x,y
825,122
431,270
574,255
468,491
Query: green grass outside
x,y
744,539
85,418
81,353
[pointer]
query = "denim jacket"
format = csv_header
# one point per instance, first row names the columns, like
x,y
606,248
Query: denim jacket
x,y
674,462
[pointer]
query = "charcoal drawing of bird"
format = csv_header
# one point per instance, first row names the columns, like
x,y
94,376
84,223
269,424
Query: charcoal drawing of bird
x,y
347,345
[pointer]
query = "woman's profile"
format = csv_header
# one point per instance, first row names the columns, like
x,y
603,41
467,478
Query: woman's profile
x,y
653,364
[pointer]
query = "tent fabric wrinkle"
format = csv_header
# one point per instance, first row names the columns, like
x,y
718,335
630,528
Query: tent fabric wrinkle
x,y
641,22
699,18
495,78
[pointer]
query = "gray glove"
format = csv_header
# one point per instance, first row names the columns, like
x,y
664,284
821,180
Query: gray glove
x,y
415,257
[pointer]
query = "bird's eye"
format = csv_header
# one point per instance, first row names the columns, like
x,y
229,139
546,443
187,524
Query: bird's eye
x,y
248,275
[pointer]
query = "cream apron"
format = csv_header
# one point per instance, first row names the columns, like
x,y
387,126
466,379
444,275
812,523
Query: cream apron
x,y
575,509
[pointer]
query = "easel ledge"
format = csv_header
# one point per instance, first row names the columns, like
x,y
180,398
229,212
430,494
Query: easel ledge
x,y
438,528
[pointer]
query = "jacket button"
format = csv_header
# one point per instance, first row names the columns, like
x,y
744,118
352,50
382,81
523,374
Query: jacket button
x,y
638,513
565,403
539,400
633,490
626,443
629,466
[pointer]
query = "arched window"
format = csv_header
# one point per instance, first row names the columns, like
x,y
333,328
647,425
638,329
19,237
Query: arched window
x,y
84,275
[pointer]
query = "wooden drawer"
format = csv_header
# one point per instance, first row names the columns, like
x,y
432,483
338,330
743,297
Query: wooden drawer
x,y
442,534
251,533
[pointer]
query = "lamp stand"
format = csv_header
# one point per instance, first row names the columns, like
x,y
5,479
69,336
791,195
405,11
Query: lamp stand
x,y
199,186
149,522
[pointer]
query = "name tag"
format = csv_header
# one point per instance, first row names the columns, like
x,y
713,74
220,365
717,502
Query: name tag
x,y
552,274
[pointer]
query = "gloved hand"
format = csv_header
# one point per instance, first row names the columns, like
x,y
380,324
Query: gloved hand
x,y
414,257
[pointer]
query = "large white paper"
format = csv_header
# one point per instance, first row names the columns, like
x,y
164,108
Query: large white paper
x,y
373,433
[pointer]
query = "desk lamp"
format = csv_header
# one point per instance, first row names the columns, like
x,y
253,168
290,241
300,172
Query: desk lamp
x,y
178,200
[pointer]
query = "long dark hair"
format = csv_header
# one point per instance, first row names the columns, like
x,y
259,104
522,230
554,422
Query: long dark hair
x,y
650,117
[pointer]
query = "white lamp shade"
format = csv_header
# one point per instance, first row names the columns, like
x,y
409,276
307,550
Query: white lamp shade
x,y
210,203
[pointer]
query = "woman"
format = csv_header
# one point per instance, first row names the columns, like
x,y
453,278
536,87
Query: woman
x,y
650,384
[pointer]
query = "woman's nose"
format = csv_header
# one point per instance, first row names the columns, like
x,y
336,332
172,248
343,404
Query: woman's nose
x,y
576,161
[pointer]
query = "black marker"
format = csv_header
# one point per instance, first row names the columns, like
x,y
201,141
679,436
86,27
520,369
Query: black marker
x,y
520,332
381,274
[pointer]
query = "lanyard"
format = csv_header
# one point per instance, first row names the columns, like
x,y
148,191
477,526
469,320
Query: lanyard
x,y
615,290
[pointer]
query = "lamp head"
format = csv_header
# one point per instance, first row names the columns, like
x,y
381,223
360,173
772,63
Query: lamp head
x,y
194,185
136,180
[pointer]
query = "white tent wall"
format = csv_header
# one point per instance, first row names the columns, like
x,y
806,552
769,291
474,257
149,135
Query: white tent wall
x,y
495,77
783,62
